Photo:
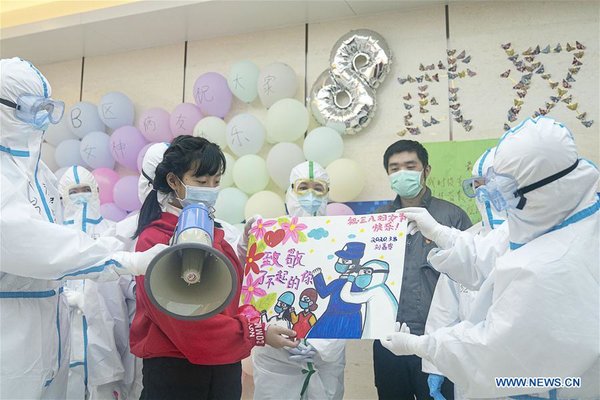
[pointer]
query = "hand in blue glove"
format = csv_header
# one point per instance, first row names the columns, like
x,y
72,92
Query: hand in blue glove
x,y
303,353
435,386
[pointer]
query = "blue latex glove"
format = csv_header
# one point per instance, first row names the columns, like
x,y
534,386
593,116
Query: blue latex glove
x,y
435,386
303,353
351,278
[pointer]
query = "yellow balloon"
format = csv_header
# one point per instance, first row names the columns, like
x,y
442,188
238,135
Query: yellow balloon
x,y
347,178
266,203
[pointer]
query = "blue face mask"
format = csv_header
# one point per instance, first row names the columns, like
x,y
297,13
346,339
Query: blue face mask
x,y
200,194
406,183
362,281
80,198
310,203
304,304
278,309
341,268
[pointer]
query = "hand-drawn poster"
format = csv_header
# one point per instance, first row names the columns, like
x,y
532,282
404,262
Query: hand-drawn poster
x,y
327,277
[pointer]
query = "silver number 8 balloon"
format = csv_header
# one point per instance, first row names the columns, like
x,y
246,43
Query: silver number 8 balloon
x,y
343,97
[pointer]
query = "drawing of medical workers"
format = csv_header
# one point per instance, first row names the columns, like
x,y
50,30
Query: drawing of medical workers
x,y
382,306
282,310
340,320
306,318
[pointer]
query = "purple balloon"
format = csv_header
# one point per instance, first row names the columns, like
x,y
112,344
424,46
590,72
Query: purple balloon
x,y
184,118
125,145
212,94
140,157
125,193
154,125
111,212
106,179
339,209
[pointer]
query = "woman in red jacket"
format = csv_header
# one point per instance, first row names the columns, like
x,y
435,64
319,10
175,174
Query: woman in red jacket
x,y
192,359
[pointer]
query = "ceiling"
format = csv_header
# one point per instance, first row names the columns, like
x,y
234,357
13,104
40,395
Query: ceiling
x,y
129,25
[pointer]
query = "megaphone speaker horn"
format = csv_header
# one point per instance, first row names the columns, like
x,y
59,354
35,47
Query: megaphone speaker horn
x,y
191,280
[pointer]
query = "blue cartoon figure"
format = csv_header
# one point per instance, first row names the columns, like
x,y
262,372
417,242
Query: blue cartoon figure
x,y
283,310
340,320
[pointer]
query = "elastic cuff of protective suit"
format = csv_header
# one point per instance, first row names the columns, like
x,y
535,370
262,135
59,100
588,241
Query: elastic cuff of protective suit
x,y
257,331
421,347
446,237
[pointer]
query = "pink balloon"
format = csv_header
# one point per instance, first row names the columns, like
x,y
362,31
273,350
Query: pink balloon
x,y
125,193
106,179
212,94
184,118
154,125
339,209
111,212
140,157
126,143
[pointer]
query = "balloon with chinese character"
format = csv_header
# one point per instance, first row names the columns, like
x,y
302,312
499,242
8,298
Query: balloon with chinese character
x,y
245,134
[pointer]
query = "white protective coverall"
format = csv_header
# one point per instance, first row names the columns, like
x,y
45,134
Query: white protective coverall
x,y
275,375
37,253
544,317
381,304
95,365
452,302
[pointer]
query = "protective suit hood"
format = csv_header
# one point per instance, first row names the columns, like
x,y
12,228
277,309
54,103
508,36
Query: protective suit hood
x,y
491,218
154,155
534,150
81,215
17,138
305,170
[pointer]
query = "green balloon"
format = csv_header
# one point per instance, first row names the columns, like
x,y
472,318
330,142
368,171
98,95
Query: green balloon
x,y
230,205
323,145
287,120
212,129
227,177
250,173
242,80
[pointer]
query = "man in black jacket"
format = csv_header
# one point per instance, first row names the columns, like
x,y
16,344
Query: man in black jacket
x,y
407,165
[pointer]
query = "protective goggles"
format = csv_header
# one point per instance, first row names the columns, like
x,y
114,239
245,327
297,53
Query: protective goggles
x,y
36,110
303,186
503,191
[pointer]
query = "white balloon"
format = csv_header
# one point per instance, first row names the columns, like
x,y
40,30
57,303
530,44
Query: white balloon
x,y
83,118
213,129
323,145
48,156
59,132
230,205
281,159
116,110
95,150
60,172
67,153
245,134
276,81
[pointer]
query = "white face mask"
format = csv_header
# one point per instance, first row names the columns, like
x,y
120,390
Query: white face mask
x,y
199,194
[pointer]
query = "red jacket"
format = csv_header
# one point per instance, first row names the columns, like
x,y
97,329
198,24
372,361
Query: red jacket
x,y
222,339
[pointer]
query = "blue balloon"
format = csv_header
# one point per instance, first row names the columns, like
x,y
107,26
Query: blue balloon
x,y
116,110
95,150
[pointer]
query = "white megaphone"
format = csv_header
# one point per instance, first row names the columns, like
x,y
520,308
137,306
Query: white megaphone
x,y
191,280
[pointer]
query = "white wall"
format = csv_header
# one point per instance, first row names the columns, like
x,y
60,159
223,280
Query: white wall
x,y
155,76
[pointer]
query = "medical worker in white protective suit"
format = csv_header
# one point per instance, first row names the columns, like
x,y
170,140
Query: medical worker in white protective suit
x,y
476,247
95,369
543,318
314,370
36,251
